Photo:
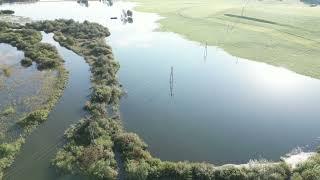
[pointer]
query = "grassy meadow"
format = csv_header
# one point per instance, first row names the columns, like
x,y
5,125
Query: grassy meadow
x,y
281,33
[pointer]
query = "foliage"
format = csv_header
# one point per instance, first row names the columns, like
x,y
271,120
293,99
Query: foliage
x,y
8,12
34,118
9,110
8,151
72,29
46,57
309,170
26,62
6,71
89,150
28,40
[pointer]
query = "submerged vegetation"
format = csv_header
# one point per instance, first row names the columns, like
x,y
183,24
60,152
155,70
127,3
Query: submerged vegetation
x,y
28,40
46,57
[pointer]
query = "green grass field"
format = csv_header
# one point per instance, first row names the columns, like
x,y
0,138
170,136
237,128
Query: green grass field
x,y
281,33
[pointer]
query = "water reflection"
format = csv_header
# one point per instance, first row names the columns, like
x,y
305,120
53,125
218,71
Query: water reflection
x,y
126,16
312,3
108,2
205,52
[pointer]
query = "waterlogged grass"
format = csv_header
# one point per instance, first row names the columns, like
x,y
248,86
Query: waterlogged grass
x,y
89,150
6,71
281,33
7,111
8,152
46,58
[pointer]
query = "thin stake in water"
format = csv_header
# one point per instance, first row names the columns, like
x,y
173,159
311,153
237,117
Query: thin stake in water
x,y
171,82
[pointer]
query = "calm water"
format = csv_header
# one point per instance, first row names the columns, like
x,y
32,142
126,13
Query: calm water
x,y
221,109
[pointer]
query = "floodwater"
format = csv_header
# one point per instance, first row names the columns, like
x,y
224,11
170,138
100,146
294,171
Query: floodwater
x,y
33,162
188,102
21,88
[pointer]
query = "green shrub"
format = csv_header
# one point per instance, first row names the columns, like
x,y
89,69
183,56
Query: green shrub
x,y
9,110
7,71
89,150
8,152
8,12
26,62
101,94
34,118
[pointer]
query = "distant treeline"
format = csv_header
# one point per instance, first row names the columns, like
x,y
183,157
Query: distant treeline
x,y
17,1
311,2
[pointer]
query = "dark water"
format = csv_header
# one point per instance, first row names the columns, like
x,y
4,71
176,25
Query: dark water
x,y
223,109
33,162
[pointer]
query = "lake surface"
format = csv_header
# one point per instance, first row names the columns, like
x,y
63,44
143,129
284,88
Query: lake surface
x,y
218,109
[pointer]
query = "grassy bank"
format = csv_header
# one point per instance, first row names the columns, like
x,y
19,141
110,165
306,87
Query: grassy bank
x,y
281,33
47,58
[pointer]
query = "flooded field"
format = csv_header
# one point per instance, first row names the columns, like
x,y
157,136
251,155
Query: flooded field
x,y
186,100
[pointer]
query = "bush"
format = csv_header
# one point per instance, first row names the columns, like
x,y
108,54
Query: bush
x,y
26,62
101,94
9,110
8,152
34,118
8,12
89,150
7,71
310,169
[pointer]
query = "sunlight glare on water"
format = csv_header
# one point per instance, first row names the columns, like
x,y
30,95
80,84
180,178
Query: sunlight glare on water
x,y
279,79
